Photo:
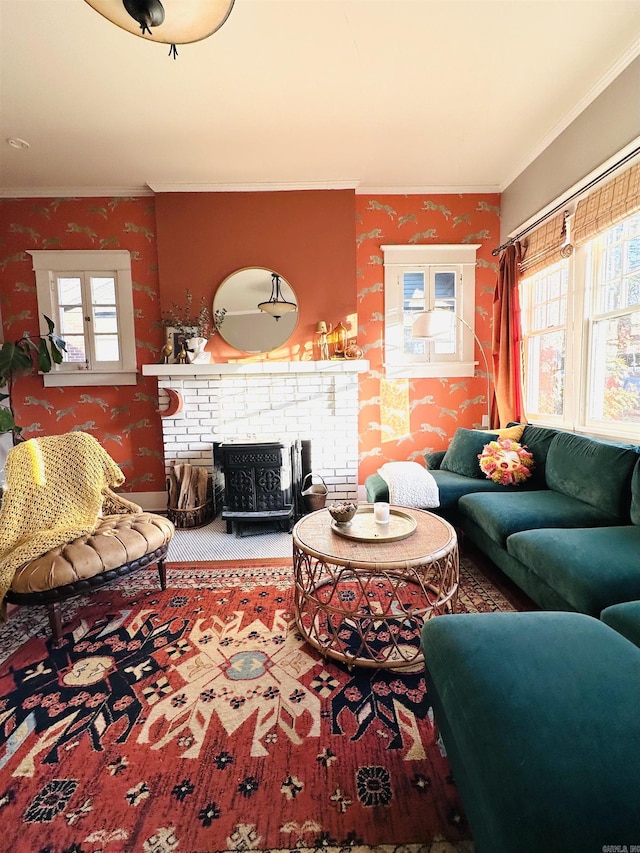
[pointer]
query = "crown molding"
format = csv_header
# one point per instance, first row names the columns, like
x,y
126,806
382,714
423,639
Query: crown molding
x,y
597,89
428,190
571,196
75,192
251,188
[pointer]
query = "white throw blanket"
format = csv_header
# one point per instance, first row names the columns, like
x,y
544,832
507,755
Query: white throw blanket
x,y
410,484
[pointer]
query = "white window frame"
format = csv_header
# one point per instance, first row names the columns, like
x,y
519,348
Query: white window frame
x,y
580,359
532,331
47,264
400,259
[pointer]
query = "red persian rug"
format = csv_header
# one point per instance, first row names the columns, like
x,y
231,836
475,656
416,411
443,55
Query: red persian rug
x,y
196,720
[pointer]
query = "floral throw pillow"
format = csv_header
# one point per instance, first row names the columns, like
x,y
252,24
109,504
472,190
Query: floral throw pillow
x,y
506,462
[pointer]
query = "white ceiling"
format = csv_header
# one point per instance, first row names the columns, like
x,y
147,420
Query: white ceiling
x,y
396,94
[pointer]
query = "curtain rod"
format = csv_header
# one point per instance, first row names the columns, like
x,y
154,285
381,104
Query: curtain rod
x,y
558,207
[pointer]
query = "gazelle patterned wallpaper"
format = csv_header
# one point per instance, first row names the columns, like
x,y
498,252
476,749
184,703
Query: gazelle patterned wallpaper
x,y
401,419
123,419
397,420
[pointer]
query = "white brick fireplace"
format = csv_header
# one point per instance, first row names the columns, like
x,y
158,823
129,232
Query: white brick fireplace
x,y
315,400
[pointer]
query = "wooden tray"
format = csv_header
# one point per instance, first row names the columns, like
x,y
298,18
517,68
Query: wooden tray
x,y
365,528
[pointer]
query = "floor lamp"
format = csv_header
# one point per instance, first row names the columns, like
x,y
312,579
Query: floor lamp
x,y
434,324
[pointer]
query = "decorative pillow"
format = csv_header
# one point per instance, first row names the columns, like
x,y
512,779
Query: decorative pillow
x,y
462,455
512,432
506,462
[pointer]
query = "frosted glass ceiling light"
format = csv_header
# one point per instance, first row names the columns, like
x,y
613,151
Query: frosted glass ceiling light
x,y
276,305
169,22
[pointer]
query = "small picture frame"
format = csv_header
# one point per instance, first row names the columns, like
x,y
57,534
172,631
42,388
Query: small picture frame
x,y
178,337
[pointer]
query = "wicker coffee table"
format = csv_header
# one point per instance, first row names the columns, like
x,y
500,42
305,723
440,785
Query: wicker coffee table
x,y
364,602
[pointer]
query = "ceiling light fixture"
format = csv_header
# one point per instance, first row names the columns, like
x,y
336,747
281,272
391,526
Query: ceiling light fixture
x,y
170,22
276,305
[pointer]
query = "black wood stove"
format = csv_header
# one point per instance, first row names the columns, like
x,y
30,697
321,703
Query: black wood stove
x,y
262,480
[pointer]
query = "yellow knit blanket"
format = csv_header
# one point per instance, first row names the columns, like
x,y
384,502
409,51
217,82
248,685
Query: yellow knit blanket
x,y
53,494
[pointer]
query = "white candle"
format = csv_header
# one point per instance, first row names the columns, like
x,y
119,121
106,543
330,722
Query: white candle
x,y
381,512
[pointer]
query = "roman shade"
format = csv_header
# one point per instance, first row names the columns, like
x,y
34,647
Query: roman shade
x,y
545,246
608,205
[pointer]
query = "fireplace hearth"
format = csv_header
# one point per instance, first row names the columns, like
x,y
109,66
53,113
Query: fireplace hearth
x,y
265,401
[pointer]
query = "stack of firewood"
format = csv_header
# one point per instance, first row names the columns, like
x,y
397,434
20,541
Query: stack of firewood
x,y
187,487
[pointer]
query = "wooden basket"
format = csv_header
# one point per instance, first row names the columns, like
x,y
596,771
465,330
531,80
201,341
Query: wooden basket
x,y
194,516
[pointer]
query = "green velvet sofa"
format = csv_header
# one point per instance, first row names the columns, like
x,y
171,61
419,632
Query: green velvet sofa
x,y
569,537
539,714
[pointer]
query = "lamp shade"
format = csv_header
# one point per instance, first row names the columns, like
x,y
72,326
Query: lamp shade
x,y
432,324
276,305
185,21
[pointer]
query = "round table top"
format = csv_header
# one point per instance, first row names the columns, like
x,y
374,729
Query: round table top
x,y
432,538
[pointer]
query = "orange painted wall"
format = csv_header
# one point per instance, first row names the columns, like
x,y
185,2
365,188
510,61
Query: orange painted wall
x,y
432,409
123,418
326,243
308,237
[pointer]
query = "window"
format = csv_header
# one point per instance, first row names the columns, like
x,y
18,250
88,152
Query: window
x,y
544,321
420,278
89,296
581,332
613,326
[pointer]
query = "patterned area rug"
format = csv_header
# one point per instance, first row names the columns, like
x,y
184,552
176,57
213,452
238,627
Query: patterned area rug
x,y
196,720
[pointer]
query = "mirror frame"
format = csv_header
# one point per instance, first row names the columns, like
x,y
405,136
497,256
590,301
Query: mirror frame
x,y
285,326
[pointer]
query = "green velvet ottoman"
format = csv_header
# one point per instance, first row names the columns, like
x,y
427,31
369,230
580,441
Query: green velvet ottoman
x,y
540,716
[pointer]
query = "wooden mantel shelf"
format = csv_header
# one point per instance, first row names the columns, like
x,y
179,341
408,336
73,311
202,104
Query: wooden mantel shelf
x,y
201,371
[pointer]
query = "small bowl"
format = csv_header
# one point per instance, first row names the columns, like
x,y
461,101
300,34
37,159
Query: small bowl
x,y
342,513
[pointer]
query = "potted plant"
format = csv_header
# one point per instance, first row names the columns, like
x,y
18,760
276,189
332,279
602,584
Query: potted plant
x,y
21,357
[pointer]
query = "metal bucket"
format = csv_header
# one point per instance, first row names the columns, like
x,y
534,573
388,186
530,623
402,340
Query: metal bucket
x,y
315,495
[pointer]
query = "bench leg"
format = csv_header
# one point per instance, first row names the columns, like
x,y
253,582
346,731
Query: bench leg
x,y
55,623
162,571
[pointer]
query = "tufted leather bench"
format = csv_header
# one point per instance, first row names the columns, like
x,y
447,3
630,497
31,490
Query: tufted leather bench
x,y
122,543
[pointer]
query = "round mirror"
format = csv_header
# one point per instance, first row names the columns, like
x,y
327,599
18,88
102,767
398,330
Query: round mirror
x,y
248,327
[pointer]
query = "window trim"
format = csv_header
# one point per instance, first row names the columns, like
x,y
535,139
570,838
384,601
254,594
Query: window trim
x,y
425,257
47,264
581,315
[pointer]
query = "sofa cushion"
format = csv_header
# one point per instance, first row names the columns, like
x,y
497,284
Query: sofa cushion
x,y
590,568
462,455
625,619
433,458
454,486
451,487
500,515
537,440
539,715
596,472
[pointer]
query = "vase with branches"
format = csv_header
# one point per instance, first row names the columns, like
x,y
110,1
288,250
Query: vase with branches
x,y
185,319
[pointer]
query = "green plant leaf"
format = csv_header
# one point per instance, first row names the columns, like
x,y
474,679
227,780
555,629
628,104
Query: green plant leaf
x,y
58,346
44,357
7,423
13,359
50,323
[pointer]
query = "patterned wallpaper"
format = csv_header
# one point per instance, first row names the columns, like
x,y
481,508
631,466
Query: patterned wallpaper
x,y
401,419
123,419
